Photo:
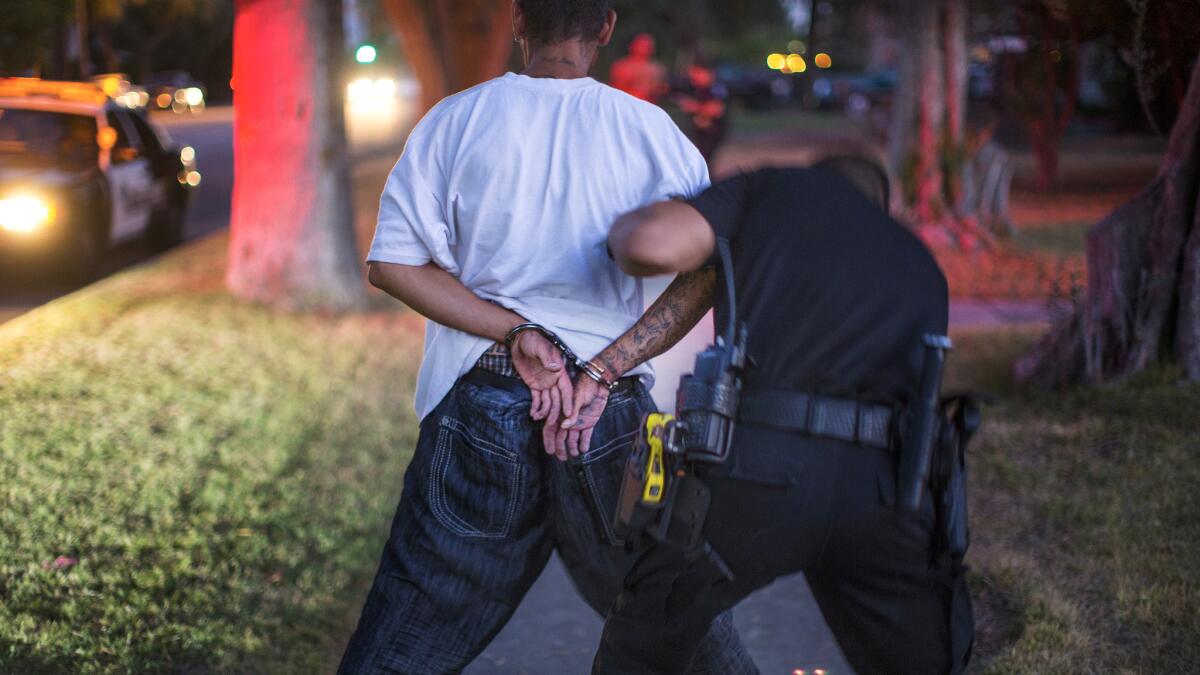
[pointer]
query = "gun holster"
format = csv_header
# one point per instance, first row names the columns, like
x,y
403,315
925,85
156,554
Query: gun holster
x,y
959,419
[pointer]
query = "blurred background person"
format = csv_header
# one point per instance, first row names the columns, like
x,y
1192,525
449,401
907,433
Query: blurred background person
x,y
638,73
704,105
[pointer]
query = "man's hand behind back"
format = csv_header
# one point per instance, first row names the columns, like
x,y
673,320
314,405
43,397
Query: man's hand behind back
x,y
573,433
540,365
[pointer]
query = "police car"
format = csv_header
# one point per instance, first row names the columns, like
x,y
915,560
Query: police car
x,y
80,173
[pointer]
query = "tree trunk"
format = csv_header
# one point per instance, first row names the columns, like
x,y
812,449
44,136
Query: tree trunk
x,y
904,98
1143,296
1046,121
82,41
147,47
112,62
292,240
1182,206
954,50
931,110
452,45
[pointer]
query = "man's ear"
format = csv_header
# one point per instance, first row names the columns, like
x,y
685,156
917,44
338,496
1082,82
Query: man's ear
x,y
606,32
518,21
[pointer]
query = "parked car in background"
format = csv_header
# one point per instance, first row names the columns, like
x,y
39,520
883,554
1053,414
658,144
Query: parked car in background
x,y
851,92
755,87
175,90
80,173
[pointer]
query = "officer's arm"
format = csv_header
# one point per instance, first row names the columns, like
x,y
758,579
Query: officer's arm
x,y
672,315
662,238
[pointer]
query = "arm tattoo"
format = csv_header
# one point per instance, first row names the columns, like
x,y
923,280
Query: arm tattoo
x,y
672,315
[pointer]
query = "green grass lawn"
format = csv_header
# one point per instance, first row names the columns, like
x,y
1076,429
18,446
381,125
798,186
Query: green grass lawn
x,y
1086,520
1068,238
222,474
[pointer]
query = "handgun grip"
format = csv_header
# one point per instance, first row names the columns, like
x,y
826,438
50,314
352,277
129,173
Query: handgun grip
x,y
916,449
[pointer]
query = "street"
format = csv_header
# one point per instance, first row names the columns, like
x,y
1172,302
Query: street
x,y
211,134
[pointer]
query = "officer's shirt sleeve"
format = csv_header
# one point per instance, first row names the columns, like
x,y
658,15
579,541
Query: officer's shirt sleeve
x,y
722,204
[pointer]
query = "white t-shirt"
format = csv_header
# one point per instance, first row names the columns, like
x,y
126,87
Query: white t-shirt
x,y
511,186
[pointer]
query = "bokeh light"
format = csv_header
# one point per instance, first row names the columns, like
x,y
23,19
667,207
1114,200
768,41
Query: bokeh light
x,y
365,54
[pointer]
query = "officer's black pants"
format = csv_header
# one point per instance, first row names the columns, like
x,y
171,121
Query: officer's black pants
x,y
784,503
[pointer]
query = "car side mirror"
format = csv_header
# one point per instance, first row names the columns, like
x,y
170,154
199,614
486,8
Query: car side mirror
x,y
106,138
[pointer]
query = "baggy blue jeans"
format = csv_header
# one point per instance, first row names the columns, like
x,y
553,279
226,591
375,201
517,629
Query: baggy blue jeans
x,y
483,506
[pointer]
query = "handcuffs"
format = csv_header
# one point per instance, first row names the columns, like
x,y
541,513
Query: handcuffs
x,y
589,368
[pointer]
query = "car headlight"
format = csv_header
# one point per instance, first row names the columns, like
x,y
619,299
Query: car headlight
x,y
24,213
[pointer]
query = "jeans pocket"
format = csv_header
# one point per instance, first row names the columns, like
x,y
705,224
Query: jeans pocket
x,y
600,473
475,485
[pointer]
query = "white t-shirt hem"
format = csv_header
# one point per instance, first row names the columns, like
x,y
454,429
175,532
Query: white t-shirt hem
x,y
411,259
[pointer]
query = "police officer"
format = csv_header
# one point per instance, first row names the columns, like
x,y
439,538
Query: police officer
x,y
837,298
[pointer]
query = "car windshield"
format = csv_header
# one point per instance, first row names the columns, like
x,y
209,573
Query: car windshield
x,y
40,136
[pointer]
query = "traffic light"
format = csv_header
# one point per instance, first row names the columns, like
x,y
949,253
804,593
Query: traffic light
x,y
365,54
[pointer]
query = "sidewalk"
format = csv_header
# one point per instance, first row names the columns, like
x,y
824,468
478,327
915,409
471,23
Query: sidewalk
x,y
553,631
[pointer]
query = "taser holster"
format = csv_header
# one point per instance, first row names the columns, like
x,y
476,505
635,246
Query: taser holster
x,y
659,494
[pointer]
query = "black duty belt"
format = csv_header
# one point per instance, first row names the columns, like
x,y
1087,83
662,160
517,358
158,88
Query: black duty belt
x,y
818,416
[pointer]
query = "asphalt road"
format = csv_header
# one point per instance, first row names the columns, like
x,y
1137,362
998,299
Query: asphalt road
x,y
211,134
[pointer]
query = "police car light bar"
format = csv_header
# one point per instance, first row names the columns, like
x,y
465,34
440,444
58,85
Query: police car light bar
x,y
81,92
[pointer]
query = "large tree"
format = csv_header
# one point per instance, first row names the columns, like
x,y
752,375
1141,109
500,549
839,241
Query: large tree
x,y
1142,303
927,141
291,236
452,44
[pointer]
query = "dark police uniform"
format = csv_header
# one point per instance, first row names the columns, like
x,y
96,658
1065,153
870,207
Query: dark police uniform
x,y
836,296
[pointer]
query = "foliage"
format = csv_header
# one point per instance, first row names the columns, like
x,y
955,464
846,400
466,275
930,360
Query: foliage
x,y
26,31
191,484
729,30
1085,533
191,35
133,36
163,10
